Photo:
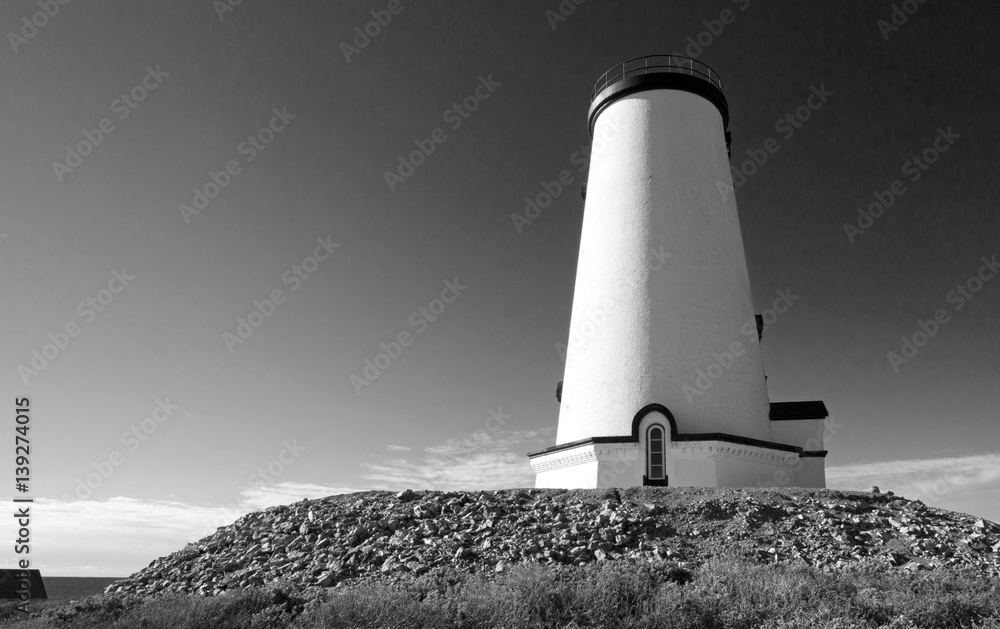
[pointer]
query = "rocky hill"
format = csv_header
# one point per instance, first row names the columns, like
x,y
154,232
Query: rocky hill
x,y
380,536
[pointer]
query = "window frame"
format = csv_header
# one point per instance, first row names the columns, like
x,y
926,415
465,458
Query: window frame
x,y
662,452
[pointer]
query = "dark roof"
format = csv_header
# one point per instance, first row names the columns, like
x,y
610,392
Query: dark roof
x,y
788,411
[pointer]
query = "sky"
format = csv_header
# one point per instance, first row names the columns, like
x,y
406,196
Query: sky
x,y
209,222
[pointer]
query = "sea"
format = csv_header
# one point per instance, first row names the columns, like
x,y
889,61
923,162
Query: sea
x,y
71,588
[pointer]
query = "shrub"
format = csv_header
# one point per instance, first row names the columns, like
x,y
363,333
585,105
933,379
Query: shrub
x,y
611,595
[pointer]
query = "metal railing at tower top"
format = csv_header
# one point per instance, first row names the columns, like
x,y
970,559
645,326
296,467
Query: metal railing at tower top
x,y
654,64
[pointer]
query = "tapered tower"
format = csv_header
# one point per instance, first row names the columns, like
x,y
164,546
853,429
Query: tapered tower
x,y
664,380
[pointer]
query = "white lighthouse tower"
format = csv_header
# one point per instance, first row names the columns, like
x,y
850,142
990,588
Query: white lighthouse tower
x,y
664,381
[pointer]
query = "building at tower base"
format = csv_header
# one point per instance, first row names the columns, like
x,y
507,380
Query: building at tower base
x,y
637,407
796,459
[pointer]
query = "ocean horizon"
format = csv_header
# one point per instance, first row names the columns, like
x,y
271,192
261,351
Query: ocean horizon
x,y
72,588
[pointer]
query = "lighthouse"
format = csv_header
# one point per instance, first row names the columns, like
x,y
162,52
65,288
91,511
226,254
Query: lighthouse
x,y
664,380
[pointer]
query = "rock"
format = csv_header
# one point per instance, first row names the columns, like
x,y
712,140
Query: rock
x,y
426,510
873,489
918,564
406,495
386,537
416,567
327,579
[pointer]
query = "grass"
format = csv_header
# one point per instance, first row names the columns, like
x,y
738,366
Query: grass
x,y
721,593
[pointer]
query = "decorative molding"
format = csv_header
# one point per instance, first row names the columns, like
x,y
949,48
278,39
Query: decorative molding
x,y
585,453
715,449
563,458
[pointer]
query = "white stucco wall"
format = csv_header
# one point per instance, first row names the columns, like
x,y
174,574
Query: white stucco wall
x,y
691,463
578,476
732,465
736,472
694,472
621,465
811,473
590,466
638,335
805,433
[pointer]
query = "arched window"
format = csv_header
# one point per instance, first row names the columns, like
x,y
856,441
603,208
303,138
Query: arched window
x,y
655,453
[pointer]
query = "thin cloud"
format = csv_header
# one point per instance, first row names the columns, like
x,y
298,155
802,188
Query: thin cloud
x,y
124,534
924,479
121,535
264,496
473,462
